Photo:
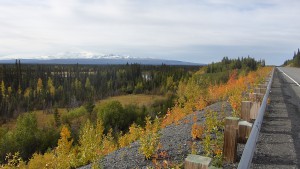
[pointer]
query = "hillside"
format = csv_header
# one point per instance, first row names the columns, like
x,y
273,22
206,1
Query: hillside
x,y
166,132
176,143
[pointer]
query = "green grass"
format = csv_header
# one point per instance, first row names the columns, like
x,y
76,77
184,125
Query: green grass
x,y
139,99
45,119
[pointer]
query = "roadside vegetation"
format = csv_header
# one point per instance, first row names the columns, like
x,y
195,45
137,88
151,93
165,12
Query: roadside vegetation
x,y
295,62
36,101
92,130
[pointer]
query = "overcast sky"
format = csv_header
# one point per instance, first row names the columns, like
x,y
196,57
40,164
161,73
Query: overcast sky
x,y
189,30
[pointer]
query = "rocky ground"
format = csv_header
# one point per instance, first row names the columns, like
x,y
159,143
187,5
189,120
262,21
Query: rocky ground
x,y
175,139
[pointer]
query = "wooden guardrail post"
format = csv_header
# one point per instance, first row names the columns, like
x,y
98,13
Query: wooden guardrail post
x,y
197,162
249,149
256,99
230,139
260,90
244,131
256,90
245,126
245,110
263,85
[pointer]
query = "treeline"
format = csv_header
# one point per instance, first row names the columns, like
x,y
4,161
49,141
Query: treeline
x,y
26,87
76,87
295,61
193,91
247,64
221,70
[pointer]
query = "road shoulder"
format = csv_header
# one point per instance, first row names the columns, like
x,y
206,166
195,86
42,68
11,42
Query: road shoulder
x,y
278,145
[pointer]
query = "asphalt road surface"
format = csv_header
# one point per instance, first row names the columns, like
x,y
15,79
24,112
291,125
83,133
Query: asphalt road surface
x,y
293,73
278,145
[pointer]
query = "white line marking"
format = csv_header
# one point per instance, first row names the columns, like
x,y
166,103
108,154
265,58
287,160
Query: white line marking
x,y
289,77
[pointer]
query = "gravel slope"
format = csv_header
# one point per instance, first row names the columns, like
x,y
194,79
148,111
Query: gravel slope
x,y
176,141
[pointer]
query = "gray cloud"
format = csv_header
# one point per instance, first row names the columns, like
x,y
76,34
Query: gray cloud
x,y
199,31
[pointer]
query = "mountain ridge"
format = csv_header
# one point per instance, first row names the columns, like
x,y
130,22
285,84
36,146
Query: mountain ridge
x,y
101,61
85,57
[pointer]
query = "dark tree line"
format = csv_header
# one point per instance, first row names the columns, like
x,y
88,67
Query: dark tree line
x,y
26,87
295,61
246,63
219,72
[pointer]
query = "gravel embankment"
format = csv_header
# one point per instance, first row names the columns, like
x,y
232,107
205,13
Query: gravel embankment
x,y
175,139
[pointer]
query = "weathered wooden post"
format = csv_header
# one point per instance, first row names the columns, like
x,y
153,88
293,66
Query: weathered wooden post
x,y
245,126
256,99
261,90
263,85
244,131
197,162
258,90
245,110
230,139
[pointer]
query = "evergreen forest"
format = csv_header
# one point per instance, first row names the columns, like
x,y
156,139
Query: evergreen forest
x,y
69,94
295,62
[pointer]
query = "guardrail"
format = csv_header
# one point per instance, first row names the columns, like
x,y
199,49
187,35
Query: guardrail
x,y
250,146
237,130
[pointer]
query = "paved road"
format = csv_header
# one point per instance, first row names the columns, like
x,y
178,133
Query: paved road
x,y
279,140
294,73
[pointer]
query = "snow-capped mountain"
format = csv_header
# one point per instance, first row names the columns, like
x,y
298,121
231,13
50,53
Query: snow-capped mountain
x,y
92,58
84,55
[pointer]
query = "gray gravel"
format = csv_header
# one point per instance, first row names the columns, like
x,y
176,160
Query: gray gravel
x,y
176,141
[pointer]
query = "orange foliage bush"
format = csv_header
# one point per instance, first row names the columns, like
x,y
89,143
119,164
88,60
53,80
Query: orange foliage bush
x,y
197,131
192,97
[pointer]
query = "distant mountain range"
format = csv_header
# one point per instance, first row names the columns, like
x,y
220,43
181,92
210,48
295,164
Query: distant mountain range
x,y
94,59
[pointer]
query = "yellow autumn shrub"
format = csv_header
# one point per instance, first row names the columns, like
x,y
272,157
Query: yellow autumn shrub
x,y
214,125
108,144
133,135
63,157
90,140
150,138
14,161
40,161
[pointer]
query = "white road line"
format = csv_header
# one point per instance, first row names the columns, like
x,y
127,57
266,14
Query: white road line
x,y
289,77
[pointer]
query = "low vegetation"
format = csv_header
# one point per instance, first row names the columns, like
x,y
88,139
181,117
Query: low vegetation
x,y
149,138
85,134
